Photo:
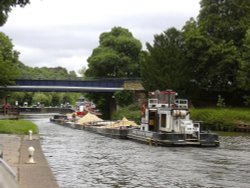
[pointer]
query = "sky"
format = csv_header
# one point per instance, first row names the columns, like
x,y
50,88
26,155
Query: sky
x,y
64,33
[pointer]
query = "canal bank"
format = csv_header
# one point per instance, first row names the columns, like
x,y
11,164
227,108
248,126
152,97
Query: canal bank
x,y
15,153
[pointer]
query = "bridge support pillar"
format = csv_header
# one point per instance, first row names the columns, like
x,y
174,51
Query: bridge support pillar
x,y
113,105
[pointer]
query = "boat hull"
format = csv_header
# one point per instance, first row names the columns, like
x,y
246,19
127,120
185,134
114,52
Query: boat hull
x,y
147,137
109,132
172,139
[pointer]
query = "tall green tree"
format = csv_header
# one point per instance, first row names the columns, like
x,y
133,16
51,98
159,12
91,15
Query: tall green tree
x,y
8,61
213,52
118,55
164,66
225,23
226,20
214,45
41,98
244,71
213,64
6,7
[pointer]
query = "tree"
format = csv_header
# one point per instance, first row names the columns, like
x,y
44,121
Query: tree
x,y
57,73
124,98
57,99
82,71
16,96
164,66
214,45
224,23
118,55
8,61
6,7
41,98
244,72
213,63
226,20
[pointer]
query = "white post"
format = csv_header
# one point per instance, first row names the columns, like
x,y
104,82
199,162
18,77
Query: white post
x,y
30,134
31,155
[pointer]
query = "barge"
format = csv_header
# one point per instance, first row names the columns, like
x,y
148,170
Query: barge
x,y
92,123
166,122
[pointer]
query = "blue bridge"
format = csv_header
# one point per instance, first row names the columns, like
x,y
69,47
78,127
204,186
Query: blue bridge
x,y
99,85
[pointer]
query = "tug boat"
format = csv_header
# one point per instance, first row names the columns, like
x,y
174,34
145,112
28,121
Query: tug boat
x,y
166,122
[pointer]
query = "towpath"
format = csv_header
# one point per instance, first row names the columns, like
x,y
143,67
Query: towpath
x,y
15,153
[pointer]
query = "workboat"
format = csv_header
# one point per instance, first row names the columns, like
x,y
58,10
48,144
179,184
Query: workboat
x,y
166,121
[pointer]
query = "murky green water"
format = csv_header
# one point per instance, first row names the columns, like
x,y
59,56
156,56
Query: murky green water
x,y
81,159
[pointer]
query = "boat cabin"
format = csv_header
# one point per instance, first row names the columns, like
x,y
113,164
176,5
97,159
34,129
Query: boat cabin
x,y
165,113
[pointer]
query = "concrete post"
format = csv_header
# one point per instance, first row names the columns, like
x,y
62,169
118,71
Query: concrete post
x,y
30,134
31,155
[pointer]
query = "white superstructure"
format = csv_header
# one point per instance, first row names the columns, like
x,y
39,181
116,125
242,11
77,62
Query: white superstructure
x,y
166,114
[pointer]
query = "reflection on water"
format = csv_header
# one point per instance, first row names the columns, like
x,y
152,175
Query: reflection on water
x,y
81,159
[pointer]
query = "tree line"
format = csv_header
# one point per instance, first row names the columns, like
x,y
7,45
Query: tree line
x,y
208,59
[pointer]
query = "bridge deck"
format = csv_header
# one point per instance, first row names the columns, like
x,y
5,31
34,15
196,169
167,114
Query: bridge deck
x,y
104,85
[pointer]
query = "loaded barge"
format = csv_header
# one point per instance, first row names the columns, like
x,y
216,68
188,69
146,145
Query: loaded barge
x,y
92,123
165,122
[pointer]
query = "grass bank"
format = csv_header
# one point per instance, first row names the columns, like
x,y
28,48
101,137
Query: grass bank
x,y
223,119
17,127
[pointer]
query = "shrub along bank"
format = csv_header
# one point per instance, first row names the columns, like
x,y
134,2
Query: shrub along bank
x,y
223,119
17,127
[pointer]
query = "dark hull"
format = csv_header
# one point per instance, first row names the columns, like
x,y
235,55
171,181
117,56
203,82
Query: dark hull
x,y
110,132
172,139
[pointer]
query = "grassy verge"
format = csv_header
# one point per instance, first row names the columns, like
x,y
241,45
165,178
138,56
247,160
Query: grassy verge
x,y
222,118
17,127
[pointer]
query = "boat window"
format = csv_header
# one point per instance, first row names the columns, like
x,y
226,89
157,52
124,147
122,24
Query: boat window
x,y
172,99
166,98
163,98
163,120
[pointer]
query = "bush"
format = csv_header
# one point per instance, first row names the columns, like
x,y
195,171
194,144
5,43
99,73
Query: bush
x,y
131,112
221,118
220,102
124,98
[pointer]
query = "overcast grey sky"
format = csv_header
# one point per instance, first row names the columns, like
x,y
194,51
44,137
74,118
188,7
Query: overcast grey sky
x,y
63,33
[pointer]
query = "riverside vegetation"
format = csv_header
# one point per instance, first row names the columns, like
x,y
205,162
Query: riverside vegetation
x,y
17,127
223,119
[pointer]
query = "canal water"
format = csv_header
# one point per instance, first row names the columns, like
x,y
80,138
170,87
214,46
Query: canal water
x,y
81,159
